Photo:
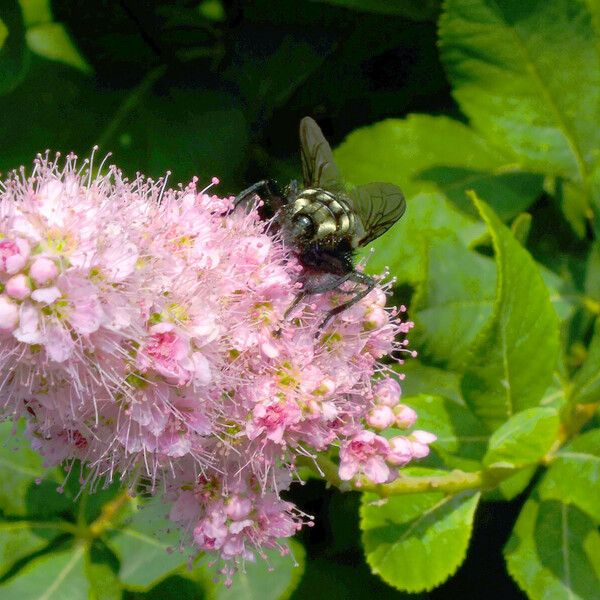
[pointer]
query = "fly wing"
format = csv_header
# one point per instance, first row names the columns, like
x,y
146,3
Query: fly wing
x,y
318,167
378,206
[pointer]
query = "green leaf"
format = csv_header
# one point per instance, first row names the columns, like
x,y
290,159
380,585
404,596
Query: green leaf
x,y
574,476
14,57
454,302
523,440
527,74
586,383
51,41
416,542
147,547
429,153
512,486
19,468
425,9
101,569
425,379
275,579
55,576
554,552
19,539
461,439
403,247
514,358
521,227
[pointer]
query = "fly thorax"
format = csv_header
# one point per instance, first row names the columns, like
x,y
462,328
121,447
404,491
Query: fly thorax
x,y
317,214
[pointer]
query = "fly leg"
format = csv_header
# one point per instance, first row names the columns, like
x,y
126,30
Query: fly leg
x,y
267,190
356,277
311,288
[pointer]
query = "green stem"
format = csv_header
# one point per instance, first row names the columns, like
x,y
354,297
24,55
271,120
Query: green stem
x,y
450,483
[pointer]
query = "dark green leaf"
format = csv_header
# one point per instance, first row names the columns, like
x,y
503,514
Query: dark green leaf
x,y
574,476
14,56
425,9
554,552
514,357
523,440
416,542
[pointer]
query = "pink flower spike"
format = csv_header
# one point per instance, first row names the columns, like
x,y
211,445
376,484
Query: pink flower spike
x,y
43,271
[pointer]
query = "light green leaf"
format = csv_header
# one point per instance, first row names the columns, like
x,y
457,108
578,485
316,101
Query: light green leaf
x,y
419,11
403,247
512,486
55,576
554,552
273,579
461,439
521,227
147,547
100,568
36,11
574,476
435,153
19,539
514,358
416,542
527,74
51,41
425,379
14,57
454,302
19,468
586,383
523,439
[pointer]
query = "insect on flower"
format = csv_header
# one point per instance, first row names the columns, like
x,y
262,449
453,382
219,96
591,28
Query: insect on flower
x,y
324,222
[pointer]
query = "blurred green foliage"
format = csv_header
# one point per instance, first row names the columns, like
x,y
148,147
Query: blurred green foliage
x,y
480,110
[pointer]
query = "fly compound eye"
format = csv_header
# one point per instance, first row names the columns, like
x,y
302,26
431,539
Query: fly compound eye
x,y
303,226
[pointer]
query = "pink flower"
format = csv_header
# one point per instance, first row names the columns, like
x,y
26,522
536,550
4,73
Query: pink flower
x,y
401,451
405,416
13,255
365,453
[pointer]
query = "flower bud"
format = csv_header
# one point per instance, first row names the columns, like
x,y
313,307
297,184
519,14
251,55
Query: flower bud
x,y
18,287
405,416
380,417
9,314
401,451
13,255
375,319
387,392
420,441
43,270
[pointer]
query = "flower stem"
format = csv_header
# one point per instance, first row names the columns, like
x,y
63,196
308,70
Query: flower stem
x,y
450,483
109,510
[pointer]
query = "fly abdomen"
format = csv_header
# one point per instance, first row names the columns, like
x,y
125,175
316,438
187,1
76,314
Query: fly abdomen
x,y
330,215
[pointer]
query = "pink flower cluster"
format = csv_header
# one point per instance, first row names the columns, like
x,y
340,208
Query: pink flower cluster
x,y
142,332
